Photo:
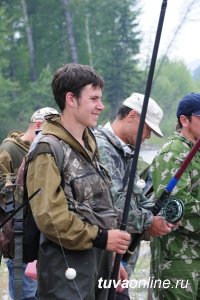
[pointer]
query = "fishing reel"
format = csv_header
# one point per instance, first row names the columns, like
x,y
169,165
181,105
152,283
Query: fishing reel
x,y
172,210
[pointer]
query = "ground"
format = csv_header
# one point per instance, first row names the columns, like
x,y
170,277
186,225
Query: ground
x,y
3,282
141,275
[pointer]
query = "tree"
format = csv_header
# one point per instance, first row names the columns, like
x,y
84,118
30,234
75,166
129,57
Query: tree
x,y
190,6
8,87
115,43
29,40
174,82
101,33
70,31
196,73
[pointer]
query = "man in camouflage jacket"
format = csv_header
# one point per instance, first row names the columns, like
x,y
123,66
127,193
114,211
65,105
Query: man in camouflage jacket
x,y
176,257
74,211
12,151
116,143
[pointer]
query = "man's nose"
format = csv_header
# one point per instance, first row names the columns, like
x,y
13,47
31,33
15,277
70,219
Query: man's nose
x,y
100,105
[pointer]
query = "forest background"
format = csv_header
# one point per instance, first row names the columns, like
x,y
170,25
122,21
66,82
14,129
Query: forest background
x,y
39,36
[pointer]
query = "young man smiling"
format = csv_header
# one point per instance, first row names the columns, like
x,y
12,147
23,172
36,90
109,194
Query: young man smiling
x,y
74,212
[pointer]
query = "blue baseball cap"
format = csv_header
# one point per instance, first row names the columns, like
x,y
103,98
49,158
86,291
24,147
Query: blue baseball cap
x,y
189,105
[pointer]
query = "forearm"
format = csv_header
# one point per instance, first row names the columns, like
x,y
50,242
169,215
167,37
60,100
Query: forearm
x,y
185,190
139,218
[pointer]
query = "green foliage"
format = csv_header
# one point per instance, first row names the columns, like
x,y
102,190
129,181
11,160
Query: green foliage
x,y
172,83
49,33
37,94
39,91
117,29
196,74
34,38
8,87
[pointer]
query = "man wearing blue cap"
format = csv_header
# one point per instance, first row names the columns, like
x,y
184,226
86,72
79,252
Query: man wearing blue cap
x,y
176,256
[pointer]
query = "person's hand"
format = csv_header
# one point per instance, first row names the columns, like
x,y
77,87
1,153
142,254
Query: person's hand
x,y
122,276
160,227
118,241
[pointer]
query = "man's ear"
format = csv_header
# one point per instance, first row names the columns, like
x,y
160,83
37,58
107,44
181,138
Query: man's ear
x,y
70,99
184,121
131,116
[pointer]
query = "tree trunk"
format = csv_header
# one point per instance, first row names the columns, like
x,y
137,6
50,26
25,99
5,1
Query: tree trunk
x,y
182,22
88,39
70,34
29,40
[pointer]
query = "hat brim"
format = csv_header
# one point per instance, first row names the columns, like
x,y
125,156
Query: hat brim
x,y
156,130
196,114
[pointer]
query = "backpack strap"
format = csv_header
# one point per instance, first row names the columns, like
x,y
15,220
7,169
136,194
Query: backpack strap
x,y
57,149
49,144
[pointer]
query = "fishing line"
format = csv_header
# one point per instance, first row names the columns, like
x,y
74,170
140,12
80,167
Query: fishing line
x,y
60,244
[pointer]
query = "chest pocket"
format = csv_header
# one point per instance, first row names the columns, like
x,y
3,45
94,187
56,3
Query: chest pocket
x,y
87,188
92,201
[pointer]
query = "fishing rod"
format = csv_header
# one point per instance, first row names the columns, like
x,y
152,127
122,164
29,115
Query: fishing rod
x,y
171,208
114,275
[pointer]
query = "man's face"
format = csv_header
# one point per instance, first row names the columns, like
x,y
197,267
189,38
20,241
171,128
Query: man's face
x,y
194,128
89,106
133,130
